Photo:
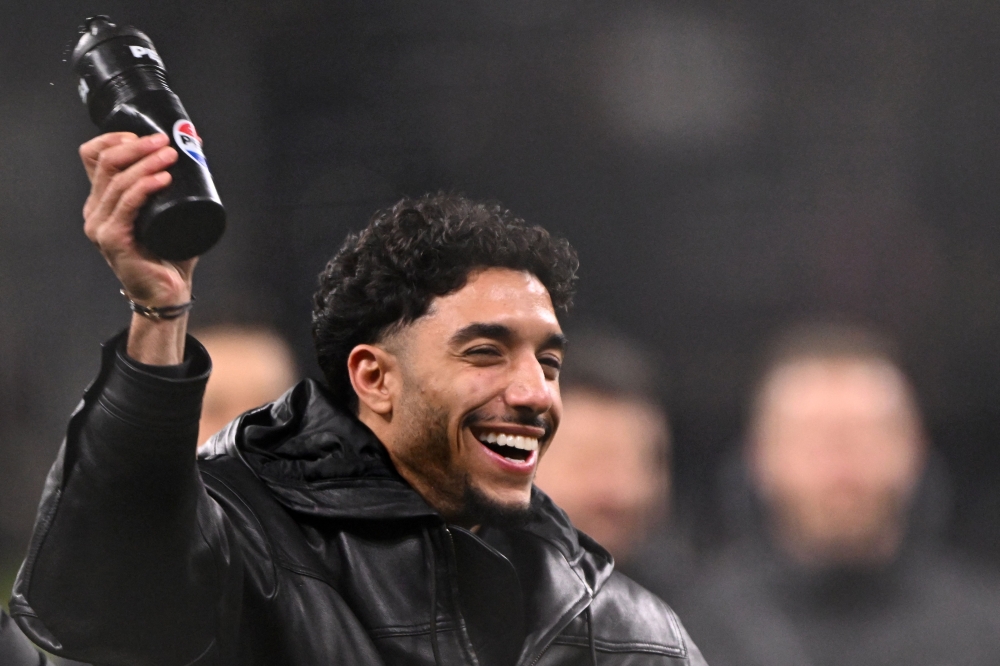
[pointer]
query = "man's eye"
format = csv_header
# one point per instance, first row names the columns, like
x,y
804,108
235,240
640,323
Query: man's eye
x,y
483,351
551,362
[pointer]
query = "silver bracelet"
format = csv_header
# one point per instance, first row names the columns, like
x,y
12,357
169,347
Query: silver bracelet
x,y
165,312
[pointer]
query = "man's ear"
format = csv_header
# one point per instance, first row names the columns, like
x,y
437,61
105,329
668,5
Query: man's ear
x,y
373,375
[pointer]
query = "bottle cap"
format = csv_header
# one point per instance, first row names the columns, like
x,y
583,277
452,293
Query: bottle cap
x,y
98,29
104,54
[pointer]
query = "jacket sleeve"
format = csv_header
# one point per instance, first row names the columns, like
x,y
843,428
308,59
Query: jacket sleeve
x,y
130,560
15,649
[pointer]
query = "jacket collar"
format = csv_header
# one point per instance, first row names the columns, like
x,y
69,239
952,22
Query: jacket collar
x,y
321,461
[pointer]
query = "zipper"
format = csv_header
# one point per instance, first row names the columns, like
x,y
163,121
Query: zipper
x,y
453,587
541,654
470,648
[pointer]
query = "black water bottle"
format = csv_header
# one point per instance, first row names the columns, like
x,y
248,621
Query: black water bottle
x,y
123,82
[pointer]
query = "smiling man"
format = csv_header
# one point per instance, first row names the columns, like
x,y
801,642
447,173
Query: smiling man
x,y
470,417
386,516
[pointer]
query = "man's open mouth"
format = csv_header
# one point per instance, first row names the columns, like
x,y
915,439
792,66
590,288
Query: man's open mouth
x,y
513,447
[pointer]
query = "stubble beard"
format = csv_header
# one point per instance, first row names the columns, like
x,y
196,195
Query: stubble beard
x,y
481,509
446,487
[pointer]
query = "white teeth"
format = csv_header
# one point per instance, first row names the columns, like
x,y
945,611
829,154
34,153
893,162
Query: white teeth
x,y
515,441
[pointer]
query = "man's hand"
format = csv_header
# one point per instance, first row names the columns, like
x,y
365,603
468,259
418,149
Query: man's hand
x,y
123,171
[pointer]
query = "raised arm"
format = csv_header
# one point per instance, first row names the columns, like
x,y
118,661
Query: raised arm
x,y
123,171
129,556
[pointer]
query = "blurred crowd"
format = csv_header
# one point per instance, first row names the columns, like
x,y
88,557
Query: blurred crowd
x,y
834,505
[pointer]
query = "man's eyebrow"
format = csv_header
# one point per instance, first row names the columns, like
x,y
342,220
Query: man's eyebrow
x,y
481,330
556,341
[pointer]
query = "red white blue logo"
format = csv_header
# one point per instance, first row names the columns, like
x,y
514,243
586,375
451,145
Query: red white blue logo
x,y
187,139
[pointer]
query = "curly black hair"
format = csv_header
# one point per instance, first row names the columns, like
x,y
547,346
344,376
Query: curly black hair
x,y
387,275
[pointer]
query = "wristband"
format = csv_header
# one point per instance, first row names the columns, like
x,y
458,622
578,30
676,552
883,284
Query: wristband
x,y
165,312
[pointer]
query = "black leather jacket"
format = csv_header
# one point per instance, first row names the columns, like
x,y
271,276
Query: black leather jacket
x,y
15,649
292,540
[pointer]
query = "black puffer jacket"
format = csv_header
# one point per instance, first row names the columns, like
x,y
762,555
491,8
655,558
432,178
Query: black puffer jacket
x,y
292,541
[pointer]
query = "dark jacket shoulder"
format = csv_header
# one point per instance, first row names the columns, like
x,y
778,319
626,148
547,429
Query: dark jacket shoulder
x,y
629,618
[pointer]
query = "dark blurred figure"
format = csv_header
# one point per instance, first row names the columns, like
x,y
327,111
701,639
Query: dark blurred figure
x,y
251,366
608,466
838,564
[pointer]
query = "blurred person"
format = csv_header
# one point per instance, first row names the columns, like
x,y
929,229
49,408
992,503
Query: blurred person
x,y
609,466
386,516
839,567
251,366
836,448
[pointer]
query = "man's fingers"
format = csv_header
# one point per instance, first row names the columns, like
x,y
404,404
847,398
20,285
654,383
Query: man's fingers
x,y
119,157
104,200
114,229
91,150
137,185
133,198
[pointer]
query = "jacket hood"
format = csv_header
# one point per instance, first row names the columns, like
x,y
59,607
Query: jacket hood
x,y
320,460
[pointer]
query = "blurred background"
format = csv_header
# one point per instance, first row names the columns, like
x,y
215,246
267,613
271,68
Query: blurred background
x,y
723,168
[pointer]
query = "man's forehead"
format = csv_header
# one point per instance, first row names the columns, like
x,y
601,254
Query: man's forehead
x,y
495,295
845,382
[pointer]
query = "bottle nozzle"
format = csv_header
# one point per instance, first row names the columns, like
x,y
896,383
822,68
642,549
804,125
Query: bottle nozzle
x,y
94,24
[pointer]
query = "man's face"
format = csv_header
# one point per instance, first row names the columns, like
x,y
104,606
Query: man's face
x,y
837,452
607,468
479,397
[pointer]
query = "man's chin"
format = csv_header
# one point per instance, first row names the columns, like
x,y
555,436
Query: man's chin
x,y
479,508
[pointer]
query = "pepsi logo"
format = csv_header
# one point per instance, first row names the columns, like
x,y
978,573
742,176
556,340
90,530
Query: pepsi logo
x,y
187,140
142,52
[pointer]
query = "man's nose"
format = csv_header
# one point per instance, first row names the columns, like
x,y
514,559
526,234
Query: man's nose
x,y
529,389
